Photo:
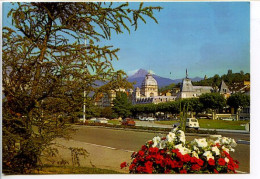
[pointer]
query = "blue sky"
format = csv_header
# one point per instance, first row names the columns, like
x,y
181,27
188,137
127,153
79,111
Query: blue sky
x,y
207,38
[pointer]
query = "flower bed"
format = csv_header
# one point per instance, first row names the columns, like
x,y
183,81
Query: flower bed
x,y
172,154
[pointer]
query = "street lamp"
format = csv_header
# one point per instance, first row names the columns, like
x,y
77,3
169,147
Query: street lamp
x,y
84,96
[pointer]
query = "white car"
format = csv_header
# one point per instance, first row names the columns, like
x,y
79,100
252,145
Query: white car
x,y
228,119
101,120
93,119
150,119
192,123
143,119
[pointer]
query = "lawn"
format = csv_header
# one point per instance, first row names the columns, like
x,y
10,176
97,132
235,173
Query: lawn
x,y
214,124
220,124
114,122
73,170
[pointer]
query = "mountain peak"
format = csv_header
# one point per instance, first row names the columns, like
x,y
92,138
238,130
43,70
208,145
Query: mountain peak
x,y
140,73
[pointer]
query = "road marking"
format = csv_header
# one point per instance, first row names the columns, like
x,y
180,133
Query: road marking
x,y
112,148
241,172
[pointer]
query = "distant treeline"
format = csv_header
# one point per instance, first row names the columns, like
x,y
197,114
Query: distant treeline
x,y
232,80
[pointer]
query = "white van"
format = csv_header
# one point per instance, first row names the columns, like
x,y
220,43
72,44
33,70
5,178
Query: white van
x,y
192,123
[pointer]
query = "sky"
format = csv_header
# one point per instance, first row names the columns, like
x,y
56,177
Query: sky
x,y
207,38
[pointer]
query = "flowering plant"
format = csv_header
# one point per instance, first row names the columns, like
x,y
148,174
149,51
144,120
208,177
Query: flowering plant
x,y
172,154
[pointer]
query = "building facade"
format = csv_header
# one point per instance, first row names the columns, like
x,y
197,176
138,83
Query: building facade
x,y
149,92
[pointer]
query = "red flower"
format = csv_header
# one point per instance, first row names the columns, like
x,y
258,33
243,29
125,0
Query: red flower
x,y
174,164
149,167
221,162
150,142
180,164
200,162
215,171
123,165
167,171
230,167
175,150
193,160
148,157
183,171
195,167
211,162
167,161
163,138
131,167
141,153
144,147
162,151
180,156
186,158
153,150
135,161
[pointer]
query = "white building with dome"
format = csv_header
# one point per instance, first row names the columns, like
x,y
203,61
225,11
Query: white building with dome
x,y
149,92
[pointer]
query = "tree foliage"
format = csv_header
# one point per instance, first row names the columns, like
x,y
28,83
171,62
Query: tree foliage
x,y
122,105
213,101
238,100
50,56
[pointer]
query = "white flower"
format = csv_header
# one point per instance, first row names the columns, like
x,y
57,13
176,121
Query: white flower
x,y
233,143
217,141
225,140
171,137
208,154
156,141
194,154
195,148
215,149
162,144
182,139
226,159
182,150
232,150
174,130
225,149
201,142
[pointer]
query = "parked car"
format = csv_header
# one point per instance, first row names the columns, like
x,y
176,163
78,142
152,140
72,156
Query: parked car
x,y
128,122
228,119
143,119
192,123
101,120
93,119
150,119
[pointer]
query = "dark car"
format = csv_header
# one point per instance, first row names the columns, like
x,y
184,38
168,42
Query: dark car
x,y
128,122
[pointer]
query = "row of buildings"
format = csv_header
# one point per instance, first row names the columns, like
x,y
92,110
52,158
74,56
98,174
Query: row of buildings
x,y
148,93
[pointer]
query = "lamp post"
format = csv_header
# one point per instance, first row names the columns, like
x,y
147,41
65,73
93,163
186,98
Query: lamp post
x,y
84,96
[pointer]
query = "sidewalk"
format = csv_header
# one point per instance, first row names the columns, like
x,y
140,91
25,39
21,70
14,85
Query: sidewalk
x,y
99,156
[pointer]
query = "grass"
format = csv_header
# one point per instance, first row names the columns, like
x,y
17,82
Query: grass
x,y
114,122
214,124
220,124
73,170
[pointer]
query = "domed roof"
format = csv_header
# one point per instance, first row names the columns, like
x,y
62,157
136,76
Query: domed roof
x,y
149,81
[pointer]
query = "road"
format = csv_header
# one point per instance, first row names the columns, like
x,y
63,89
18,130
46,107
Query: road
x,y
109,147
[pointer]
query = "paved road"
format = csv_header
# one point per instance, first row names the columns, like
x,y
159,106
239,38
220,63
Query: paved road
x,y
109,147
